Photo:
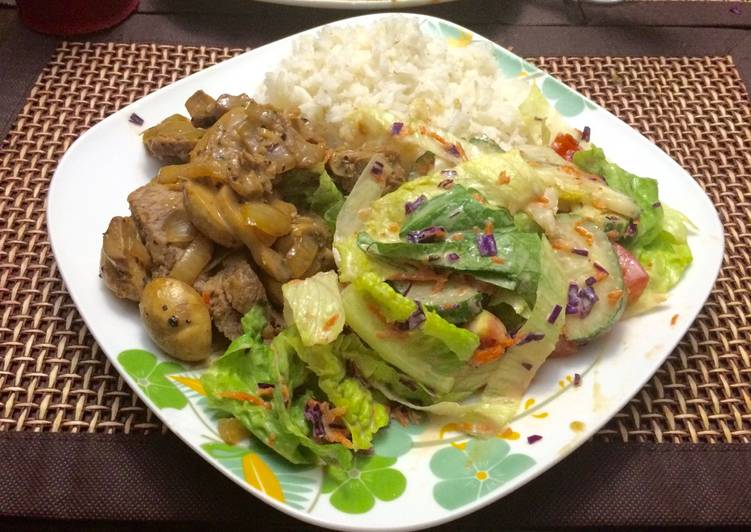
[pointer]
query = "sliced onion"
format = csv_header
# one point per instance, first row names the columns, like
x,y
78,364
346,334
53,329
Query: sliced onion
x,y
193,260
178,229
266,218
175,173
300,256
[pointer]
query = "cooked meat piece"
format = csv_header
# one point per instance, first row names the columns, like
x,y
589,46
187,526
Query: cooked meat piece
x,y
205,111
345,166
231,291
202,109
124,262
256,143
152,206
172,139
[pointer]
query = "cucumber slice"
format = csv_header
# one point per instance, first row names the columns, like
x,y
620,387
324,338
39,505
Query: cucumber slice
x,y
613,225
609,288
455,302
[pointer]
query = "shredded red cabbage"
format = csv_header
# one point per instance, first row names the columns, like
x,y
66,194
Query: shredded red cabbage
x,y
531,337
630,230
446,183
656,204
586,133
572,307
135,119
600,268
265,385
590,281
412,206
314,415
453,150
487,246
453,257
414,320
396,128
377,168
429,234
577,379
581,252
527,366
534,438
554,314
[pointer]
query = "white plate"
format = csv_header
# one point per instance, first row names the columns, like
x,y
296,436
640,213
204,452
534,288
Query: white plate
x,y
421,477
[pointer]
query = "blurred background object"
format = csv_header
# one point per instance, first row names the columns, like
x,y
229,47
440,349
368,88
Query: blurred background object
x,y
74,17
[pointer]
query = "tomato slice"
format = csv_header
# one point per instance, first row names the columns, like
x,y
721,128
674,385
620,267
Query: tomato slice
x,y
635,276
565,145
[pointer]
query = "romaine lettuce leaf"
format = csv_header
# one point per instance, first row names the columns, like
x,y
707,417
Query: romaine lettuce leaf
x,y
643,190
512,373
667,256
312,189
456,210
430,355
516,265
314,306
363,415
232,383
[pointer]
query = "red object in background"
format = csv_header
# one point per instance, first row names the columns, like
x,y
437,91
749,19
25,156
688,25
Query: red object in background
x,y
74,17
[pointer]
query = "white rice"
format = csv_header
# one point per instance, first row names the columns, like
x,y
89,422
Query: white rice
x,y
393,66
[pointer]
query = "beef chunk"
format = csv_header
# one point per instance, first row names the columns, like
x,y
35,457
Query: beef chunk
x,y
172,139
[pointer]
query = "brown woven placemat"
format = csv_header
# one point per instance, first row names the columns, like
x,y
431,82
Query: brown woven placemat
x,y
53,377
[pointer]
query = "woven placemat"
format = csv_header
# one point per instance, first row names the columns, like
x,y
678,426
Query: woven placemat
x,y
53,376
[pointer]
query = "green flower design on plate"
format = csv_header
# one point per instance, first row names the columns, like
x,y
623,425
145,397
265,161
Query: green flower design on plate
x,y
396,439
355,491
151,377
566,101
472,470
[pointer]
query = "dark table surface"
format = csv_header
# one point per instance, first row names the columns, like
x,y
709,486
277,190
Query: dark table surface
x,y
589,488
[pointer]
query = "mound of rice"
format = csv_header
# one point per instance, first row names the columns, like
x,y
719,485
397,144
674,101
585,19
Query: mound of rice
x,y
393,66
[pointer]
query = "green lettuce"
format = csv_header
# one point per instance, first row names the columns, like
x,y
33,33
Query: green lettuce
x,y
314,306
363,415
509,376
430,353
667,256
312,189
248,363
456,210
643,190
516,265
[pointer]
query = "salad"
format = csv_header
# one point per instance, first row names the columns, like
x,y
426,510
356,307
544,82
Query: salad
x,y
450,289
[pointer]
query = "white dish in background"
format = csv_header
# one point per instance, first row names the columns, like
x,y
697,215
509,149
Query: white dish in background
x,y
419,477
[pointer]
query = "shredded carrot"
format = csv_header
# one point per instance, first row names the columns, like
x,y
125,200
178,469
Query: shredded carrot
x,y
674,319
424,274
439,285
329,323
570,170
600,275
478,198
542,199
462,153
497,260
394,228
599,204
489,354
337,436
489,227
206,298
561,245
615,296
612,234
457,236
244,396
503,178
583,232
265,392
